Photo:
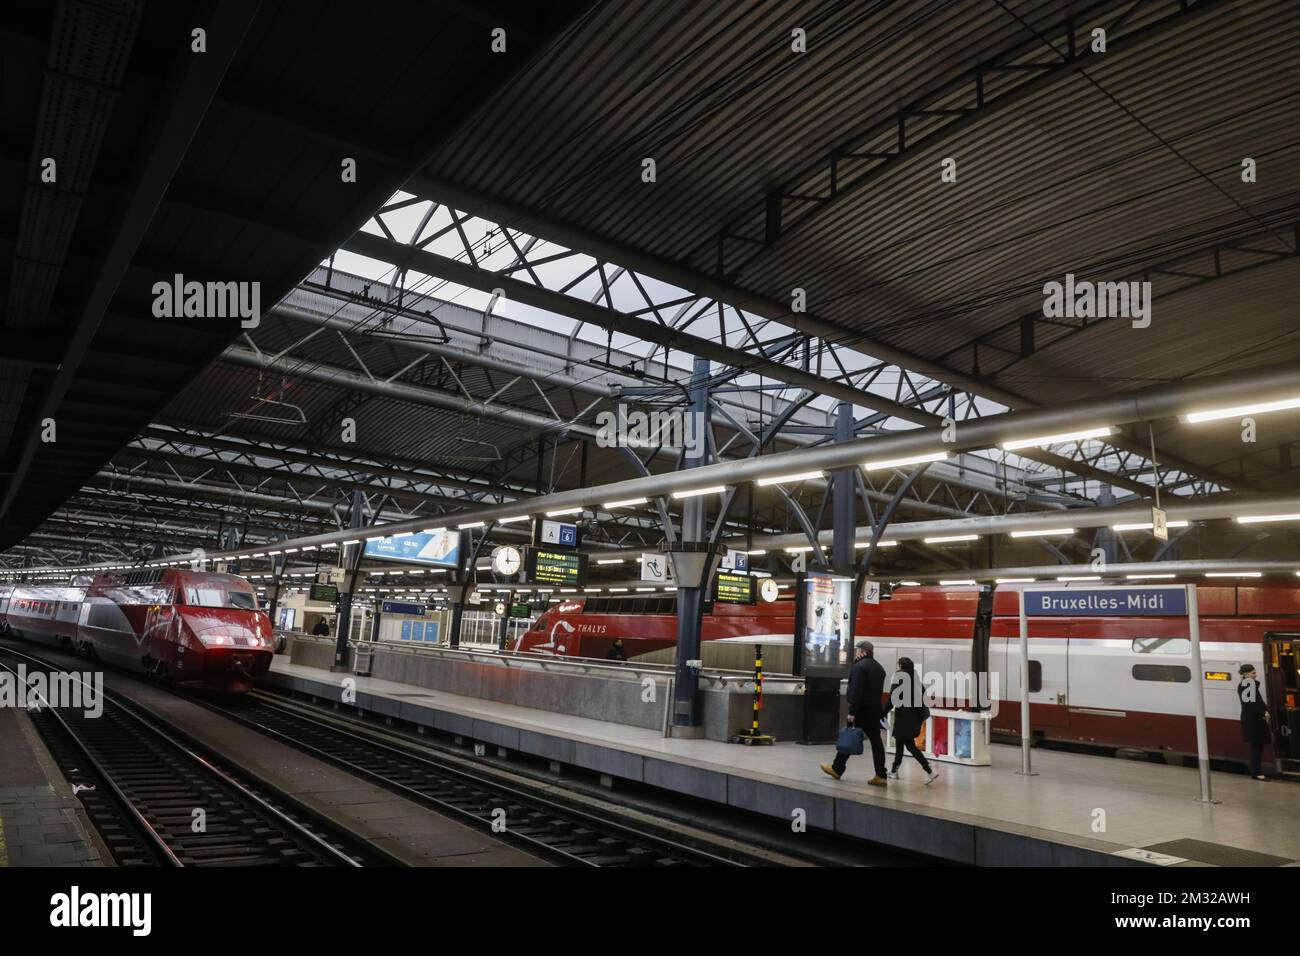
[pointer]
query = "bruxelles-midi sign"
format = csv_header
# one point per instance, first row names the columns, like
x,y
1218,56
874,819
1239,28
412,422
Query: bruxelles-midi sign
x,y
1163,601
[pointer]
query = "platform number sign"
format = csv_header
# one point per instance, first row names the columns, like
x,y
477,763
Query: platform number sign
x,y
1160,524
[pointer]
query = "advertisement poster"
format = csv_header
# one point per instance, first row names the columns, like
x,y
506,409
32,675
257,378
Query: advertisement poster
x,y
827,624
439,548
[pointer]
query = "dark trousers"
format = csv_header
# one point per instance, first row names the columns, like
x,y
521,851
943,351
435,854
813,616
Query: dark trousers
x,y
1256,757
869,721
911,748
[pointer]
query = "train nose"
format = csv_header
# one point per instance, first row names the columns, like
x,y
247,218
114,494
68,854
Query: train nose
x,y
226,634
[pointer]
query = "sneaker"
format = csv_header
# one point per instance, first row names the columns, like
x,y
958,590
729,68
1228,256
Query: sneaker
x,y
893,774
1258,776
933,775
878,782
830,771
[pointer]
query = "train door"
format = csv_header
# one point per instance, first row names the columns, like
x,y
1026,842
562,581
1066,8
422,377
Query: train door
x,y
1049,674
1282,691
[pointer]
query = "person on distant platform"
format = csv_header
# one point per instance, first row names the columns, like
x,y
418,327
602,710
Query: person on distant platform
x,y
1254,719
616,651
906,699
866,685
322,628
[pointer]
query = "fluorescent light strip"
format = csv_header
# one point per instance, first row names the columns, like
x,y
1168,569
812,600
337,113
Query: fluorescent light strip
x,y
625,503
900,462
1081,435
879,544
470,524
954,581
1240,411
791,479
697,492
1261,519
1014,580
514,519
1080,577
1148,577
1234,574
1041,532
561,512
610,561
951,538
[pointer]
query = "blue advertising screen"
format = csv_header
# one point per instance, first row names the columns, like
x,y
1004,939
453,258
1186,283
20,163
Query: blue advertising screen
x,y
1107,602
439,548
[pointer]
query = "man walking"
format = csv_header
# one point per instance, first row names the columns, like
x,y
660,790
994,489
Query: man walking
x,y
866,686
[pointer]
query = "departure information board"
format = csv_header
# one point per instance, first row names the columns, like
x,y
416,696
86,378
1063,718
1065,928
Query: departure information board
x,y
554,566
326,593
734,588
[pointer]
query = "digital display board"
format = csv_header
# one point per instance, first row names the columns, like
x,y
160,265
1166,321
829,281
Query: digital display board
x,y
326,593
401,607
553,566
520,610
733,588
442,548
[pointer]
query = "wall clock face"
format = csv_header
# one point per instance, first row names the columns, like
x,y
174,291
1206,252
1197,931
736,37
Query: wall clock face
x,y
769,590
507,560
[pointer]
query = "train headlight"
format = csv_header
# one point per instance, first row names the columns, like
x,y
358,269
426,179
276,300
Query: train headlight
x,y
217,640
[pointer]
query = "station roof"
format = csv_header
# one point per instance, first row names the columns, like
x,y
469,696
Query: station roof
x,y
775,170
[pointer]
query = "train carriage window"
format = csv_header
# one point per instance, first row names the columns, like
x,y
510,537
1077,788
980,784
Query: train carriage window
x,y
1161,645
1164,673
1035,676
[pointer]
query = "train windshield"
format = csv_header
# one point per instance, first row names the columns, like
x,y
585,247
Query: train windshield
x,y
219,597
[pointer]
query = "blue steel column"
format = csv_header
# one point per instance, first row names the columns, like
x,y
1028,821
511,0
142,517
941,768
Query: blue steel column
x,y
350,559
686,687
844,488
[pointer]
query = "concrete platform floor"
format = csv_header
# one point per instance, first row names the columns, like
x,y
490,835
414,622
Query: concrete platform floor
x,y
1076,808
41,822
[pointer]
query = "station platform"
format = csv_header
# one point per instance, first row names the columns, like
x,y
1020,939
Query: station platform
x,y
41,822
1076,810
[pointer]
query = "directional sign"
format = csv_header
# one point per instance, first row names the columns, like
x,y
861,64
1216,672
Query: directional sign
x,y
870,592
733,560
401,607
1160,524
1158,601
656,568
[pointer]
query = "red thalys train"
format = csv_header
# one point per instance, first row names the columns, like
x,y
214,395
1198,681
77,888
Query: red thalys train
x,y
1116,682
194,629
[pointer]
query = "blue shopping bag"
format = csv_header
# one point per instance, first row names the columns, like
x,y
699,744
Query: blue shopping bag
x,y
850,740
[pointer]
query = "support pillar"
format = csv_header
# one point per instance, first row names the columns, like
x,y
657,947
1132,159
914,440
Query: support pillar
x,y
350,559
690,592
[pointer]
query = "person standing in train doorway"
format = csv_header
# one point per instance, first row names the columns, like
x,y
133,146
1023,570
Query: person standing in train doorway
x,y
866,685
1254,719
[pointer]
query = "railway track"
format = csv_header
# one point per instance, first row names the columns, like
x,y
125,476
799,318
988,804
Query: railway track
x,y
560,831
157,800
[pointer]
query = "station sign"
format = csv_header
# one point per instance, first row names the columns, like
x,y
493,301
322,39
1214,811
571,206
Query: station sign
x,y
553,566
326,593
402,607
733,560
1157,601
442,548
557,534
733,588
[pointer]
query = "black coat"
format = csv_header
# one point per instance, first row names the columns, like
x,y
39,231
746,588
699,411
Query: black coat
x,y
1254,728
866,685
908,719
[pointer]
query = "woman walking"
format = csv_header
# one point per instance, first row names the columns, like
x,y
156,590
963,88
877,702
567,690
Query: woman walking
x,y
906,699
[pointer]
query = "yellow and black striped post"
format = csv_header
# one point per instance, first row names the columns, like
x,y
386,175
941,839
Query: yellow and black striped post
x,y
753,736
